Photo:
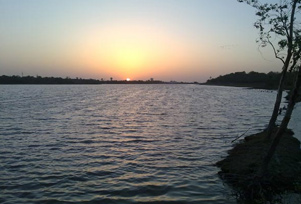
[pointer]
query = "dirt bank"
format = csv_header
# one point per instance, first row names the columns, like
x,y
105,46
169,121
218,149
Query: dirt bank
x,y
240,167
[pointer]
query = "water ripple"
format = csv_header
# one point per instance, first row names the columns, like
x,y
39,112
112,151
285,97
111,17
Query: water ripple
x,y
121,144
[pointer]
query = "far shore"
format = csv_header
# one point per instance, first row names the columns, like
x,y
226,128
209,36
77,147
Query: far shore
x,y
31,80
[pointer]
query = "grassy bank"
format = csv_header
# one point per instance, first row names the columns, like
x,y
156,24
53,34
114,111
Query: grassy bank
x,y
240,167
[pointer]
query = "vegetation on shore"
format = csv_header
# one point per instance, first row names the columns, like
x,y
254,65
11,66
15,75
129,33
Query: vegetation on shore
x,y
58,80
252,79
45,80
240,168
266,165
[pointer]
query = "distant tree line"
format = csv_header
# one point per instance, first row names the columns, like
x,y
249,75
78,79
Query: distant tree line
x,y
252,79
45,80
58,80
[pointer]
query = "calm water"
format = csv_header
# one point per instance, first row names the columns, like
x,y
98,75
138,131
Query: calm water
x,y
121,143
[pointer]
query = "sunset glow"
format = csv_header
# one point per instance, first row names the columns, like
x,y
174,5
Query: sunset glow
x,y
136,51
166,40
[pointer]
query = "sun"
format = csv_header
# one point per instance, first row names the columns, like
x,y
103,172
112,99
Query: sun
x,y
128,79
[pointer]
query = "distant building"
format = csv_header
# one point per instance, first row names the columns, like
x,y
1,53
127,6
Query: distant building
x,y
151,79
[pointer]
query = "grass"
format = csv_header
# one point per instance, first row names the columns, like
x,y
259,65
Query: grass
x,y
240,167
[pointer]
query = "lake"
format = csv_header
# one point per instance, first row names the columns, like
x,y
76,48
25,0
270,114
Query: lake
x,y
122,143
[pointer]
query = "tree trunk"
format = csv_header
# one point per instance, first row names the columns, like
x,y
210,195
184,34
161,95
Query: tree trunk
x,y
290,37
283,125
274,116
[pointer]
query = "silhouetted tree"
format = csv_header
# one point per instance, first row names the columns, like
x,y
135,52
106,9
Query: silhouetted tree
x,y
278,20
284,123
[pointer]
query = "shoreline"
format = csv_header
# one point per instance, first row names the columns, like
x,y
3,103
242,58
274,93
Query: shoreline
x,y
239,168
249,85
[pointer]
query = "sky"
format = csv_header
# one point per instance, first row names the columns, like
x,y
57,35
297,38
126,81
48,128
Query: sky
x,y
181,40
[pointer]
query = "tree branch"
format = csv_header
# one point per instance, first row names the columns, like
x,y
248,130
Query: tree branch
x,y
275,52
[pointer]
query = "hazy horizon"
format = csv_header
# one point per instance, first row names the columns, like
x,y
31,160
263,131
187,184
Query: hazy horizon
x,y
137,39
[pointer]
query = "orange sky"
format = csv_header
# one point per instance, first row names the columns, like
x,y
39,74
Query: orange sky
x,y
136,51
166,40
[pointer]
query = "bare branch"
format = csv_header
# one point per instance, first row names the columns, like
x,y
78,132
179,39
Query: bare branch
x,y
275,51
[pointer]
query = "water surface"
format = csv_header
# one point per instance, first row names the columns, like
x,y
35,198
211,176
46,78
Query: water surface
x,y
121,143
